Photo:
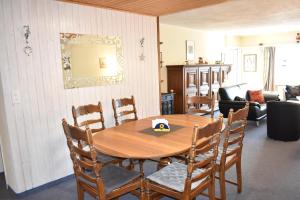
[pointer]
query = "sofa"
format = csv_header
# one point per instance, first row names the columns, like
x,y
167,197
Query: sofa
x,y
291,92
283,120
228,100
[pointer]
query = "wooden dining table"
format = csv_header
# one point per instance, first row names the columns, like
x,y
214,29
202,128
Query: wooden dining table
x,y
136,140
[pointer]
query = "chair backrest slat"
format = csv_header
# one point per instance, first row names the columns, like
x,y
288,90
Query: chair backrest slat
x,y
126,112
124,107
81,152
202,175
233,151
235,140
88,177
85,111
194,104
238,129
89,121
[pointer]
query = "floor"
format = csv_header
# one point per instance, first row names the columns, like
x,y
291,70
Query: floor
x,y
271,170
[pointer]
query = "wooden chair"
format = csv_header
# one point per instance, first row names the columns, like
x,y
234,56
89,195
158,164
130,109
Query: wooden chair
x,y
124,110
98,180
185,182
230,153
85,112
194,105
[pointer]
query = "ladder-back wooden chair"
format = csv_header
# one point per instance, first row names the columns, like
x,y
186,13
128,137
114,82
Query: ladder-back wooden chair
x,y
88,110
92,115
230,153
185,182
194,105
124,110
98,180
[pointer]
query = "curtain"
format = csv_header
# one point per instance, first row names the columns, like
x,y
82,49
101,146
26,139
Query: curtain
x,y
269,68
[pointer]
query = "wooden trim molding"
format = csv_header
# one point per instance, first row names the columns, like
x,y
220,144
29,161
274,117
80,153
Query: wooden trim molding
x,y
158,57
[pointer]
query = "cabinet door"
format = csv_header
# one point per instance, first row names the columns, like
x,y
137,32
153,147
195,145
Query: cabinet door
x,y
224,74
204,80
215,79
191,81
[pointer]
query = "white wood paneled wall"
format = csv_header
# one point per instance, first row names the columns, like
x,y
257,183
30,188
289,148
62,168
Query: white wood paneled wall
x,y
35,149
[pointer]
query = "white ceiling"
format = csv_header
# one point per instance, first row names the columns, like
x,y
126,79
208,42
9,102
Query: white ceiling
x,y
241,17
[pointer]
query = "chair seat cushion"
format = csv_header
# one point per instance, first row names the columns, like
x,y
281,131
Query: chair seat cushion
x,y
105,158
173,176
113,177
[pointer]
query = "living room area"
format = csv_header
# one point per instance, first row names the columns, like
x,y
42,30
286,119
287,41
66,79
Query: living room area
x,y
260,40
261,48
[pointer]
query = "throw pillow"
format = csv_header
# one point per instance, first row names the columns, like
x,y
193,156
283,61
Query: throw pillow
x,y
239,99
256,96
293,91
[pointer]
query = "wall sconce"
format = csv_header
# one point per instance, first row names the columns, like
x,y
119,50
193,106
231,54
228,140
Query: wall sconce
x,y
27,49
142,56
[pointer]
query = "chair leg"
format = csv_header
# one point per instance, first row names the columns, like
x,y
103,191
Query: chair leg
x,y
187,197
239,175
141,165
142,196
80,193
222,184
131,165
211,190
147,190
257,123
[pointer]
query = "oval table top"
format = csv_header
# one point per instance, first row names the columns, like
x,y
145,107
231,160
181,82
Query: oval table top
x,y
129,140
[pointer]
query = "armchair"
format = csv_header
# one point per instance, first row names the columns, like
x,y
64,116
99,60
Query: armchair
x,y
283,120
257,111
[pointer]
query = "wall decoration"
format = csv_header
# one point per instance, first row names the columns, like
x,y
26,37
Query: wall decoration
x,y
142,56
298,37
250,62
90,60
190,50
27,49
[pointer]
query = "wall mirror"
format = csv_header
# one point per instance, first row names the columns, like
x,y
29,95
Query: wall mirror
x,y
90,60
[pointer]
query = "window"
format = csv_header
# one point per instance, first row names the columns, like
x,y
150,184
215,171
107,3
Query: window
x,y
287,65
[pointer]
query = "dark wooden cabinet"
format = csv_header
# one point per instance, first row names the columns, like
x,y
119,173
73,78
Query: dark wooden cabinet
x,y
167,103
194,80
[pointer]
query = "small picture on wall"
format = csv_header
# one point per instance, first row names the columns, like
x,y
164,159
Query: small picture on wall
x,y
190,50
250,63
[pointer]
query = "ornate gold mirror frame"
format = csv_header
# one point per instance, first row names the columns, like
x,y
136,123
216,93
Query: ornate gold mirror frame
x,y
90,60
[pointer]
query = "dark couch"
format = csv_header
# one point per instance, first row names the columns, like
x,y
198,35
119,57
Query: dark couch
x,y
256,111
283,120
291,92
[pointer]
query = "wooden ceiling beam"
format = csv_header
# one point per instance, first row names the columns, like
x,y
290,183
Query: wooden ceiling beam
x,y
148,7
